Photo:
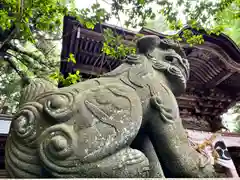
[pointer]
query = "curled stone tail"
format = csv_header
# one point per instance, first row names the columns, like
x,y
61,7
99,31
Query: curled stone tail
x,y
21,161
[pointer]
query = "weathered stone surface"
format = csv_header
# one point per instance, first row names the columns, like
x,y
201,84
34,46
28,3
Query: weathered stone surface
x,y
90,129
21,154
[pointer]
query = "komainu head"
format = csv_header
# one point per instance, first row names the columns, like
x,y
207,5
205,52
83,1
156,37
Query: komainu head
x,y
168,57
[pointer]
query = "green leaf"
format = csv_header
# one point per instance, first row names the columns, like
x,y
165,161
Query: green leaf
x,y
141,2
71,58
89,25
81,20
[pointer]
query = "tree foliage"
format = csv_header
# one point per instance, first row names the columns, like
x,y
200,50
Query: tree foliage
x,y
113,45
25,48
229,20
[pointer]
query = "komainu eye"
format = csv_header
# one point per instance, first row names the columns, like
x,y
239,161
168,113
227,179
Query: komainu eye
x,y
171,59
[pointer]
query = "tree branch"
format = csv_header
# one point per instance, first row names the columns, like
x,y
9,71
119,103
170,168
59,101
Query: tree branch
x,y
44,41
29,54
8,39
8,57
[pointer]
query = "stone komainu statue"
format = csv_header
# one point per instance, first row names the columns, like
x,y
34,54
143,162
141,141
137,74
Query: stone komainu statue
x,y
123,124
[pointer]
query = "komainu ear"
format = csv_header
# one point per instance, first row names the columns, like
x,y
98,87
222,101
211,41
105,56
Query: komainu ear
x,y
147,44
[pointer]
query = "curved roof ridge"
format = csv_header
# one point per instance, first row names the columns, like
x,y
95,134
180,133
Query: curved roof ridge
x,y
222,40
225,36
197,30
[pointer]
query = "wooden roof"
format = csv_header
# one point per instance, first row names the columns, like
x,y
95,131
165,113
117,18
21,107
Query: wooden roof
x,y
86,45
215,66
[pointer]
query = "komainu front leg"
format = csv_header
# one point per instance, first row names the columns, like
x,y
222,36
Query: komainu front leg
x,y
143,143
170,141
